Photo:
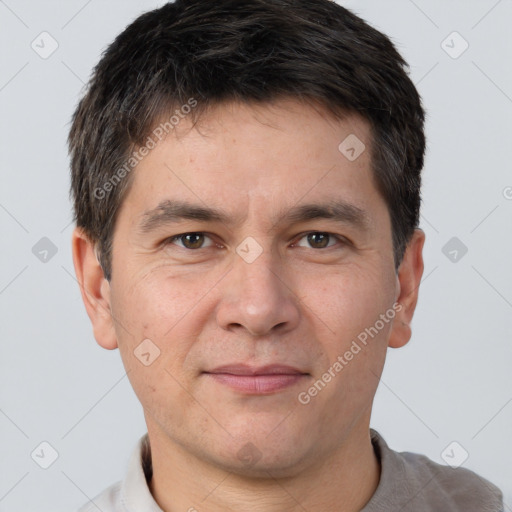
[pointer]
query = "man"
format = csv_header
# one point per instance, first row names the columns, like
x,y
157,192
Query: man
x,y
246,181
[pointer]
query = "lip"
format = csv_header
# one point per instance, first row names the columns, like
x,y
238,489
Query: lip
x,y
257,380
245,369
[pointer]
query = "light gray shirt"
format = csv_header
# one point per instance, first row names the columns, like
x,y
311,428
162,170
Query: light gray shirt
x,y
408,483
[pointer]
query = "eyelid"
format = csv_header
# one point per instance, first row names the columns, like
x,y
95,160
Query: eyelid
x,y
170,240
339,238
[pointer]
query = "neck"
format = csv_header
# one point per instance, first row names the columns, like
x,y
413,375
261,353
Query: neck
x,y
345,481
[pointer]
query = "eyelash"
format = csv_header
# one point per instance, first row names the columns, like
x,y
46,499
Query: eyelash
x,y
341,240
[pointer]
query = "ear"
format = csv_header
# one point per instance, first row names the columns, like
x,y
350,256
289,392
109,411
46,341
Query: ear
x,y
408,282
95,289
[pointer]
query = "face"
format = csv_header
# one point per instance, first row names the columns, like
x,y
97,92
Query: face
x,y
250,259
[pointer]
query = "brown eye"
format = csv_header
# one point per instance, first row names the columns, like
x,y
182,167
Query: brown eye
x,y
190,240
193,240
318,240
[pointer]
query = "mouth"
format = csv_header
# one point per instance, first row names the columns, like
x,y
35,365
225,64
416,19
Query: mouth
x,y
257,380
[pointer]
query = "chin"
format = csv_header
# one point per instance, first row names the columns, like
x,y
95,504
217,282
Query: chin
x,y
262,459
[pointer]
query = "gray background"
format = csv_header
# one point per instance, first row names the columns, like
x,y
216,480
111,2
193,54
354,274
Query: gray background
x,y
451,383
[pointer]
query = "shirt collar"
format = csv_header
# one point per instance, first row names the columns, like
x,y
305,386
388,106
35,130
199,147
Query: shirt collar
x,y
135,493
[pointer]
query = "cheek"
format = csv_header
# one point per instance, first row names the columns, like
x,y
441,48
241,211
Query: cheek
x,y
155,333
157,304
351,304
350,301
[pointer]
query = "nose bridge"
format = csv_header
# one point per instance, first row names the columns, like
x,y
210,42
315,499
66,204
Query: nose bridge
x,y
260,274
258,271
255,294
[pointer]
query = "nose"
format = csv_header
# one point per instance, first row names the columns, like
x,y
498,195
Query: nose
x,y
258,297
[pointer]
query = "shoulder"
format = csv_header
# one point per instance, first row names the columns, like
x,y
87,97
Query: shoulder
x,y
413,482
459,488
107,501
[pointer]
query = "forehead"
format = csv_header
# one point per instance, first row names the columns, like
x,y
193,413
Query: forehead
x,y
239,157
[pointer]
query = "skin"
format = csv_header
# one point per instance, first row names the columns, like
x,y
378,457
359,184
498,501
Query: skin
x,y
298,303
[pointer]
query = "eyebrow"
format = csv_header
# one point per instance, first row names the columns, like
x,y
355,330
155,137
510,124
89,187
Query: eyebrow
x,y
168,212
172,211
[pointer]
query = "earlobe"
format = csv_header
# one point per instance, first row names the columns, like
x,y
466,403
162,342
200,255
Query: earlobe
x,y
95,289
408,282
